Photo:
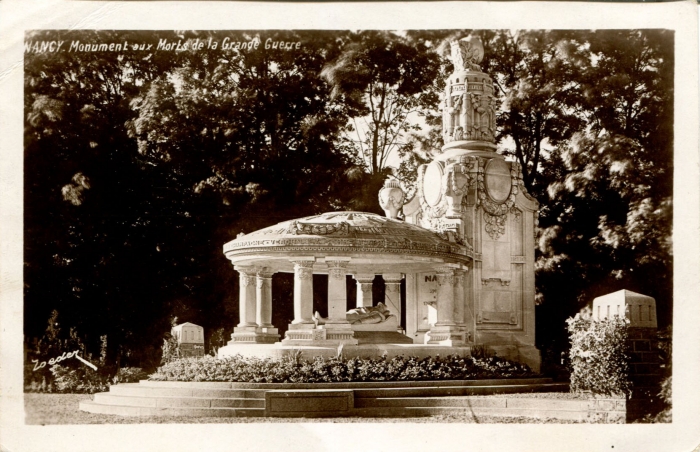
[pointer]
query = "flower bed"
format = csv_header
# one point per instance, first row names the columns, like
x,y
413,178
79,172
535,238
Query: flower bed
x,y
294,369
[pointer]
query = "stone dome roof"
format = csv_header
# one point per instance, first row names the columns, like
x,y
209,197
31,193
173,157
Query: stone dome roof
x,y
351,234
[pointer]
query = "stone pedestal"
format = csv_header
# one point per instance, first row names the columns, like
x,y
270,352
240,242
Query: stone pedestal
x,y
254,335
640,310
445,335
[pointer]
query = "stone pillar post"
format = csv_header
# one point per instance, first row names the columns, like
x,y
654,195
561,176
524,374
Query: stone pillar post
x,y
445,297
263,312
337,294
246,296
459,298
302,330
446,331
364,289
255,304
392,294
337,328
303,291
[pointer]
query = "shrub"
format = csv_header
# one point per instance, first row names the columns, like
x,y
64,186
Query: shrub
x,y
130,375
294,369
80,380
599,362
171,349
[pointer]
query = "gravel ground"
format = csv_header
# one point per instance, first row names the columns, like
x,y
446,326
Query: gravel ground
x,y
52,409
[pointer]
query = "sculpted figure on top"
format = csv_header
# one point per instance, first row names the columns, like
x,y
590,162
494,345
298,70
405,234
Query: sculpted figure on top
x,y
468,106
467,53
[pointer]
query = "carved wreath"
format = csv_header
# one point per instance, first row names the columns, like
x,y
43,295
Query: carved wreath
x,y
495,214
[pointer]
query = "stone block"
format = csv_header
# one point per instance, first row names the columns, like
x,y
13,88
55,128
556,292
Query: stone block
x,y
650,357
639,309
308,403
531,357
641,345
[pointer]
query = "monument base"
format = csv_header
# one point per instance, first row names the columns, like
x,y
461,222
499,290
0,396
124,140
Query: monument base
x,y
254,335
450,335
322,335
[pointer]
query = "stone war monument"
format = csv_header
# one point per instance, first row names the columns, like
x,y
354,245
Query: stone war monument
x,y
463,245
191,339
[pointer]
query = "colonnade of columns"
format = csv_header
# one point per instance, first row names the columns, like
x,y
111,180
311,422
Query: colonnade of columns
x,y
255,302
255,306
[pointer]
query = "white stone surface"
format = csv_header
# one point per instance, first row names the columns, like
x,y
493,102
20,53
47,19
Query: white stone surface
x,y
639,309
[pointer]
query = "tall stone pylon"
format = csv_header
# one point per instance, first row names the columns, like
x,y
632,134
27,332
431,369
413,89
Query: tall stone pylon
x,y
471,195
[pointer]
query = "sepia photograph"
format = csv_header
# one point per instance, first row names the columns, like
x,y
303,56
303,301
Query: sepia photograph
x,y
354,227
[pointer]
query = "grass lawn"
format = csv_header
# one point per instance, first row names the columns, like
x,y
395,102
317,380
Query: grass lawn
x,y
53,409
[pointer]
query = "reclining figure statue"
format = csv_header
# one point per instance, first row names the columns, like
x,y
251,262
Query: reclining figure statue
x,y
361,315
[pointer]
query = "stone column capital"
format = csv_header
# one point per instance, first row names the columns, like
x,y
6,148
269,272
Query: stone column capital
x,y
390,278
246,269
265,272
246,279
364,278
445,275
337,269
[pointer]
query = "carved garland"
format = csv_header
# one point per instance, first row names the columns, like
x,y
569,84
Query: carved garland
x,y
297,227
496,214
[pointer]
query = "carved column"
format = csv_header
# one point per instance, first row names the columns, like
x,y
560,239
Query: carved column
x,y
337,328
337,294
263,312
246,296
255,304
445,297
303,291
459,298
392,293
446,331
364,289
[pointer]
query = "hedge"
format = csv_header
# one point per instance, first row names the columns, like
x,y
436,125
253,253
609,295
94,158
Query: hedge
x,y
294,369
599,360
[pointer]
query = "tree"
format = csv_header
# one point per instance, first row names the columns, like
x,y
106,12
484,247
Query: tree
x,y
141,164
386,79
607,216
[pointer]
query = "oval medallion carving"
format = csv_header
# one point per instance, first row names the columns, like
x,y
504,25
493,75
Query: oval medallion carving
x,y
498,183
432,184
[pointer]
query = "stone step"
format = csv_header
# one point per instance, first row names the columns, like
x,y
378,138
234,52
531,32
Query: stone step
x,y
123,410
471,402
340,385
474,412
106,398
459,390
135,389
